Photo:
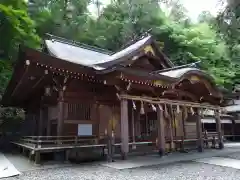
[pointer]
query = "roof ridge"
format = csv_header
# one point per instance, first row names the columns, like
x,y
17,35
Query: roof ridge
x,y
78,44
135,39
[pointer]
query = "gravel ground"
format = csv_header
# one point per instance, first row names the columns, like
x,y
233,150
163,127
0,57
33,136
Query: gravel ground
x,y
180,171
233,156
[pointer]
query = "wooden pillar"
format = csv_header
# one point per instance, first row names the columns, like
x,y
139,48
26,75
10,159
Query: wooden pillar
x,y
37,157
40,125
97,116
161,132
137,122
146,122
183,125
219,129
40,117
133,129
60,120
199,131
233,131
171,133
124,128
49,124
34,124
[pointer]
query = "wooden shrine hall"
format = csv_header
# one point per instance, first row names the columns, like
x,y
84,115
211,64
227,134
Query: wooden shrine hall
x,y
75,95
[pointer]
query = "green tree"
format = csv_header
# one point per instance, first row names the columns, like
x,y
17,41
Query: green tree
x,y
16,28
66,18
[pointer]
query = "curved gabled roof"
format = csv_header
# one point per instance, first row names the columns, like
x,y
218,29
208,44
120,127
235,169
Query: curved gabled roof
x,y
194,75
95,58
178,74
91,58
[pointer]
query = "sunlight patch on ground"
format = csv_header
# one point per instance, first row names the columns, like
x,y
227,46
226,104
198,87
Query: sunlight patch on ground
x,y
6,168
220,161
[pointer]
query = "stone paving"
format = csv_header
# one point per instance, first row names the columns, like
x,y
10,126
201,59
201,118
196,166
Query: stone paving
x,y
180,170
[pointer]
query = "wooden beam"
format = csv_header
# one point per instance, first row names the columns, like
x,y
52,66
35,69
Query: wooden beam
x,y
170,102
27,62
40,79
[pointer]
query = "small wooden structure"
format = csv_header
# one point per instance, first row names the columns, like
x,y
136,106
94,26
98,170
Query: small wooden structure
x,y
233,109
227,123
75,95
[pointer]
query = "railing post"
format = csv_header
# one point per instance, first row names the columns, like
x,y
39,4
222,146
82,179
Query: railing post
x,y
206,138
182,145
76,140
213,142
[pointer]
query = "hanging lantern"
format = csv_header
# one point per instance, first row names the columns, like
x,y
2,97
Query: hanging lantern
x,y
142,108
134,105
153,108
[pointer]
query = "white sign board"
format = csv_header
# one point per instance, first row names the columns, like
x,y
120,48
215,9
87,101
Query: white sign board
x,y
85,130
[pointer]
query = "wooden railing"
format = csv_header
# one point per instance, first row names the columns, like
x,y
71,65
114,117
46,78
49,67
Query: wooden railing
x,y
56,141
45,142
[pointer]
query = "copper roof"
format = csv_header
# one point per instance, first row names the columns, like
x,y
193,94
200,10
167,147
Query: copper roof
x,y
89,57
